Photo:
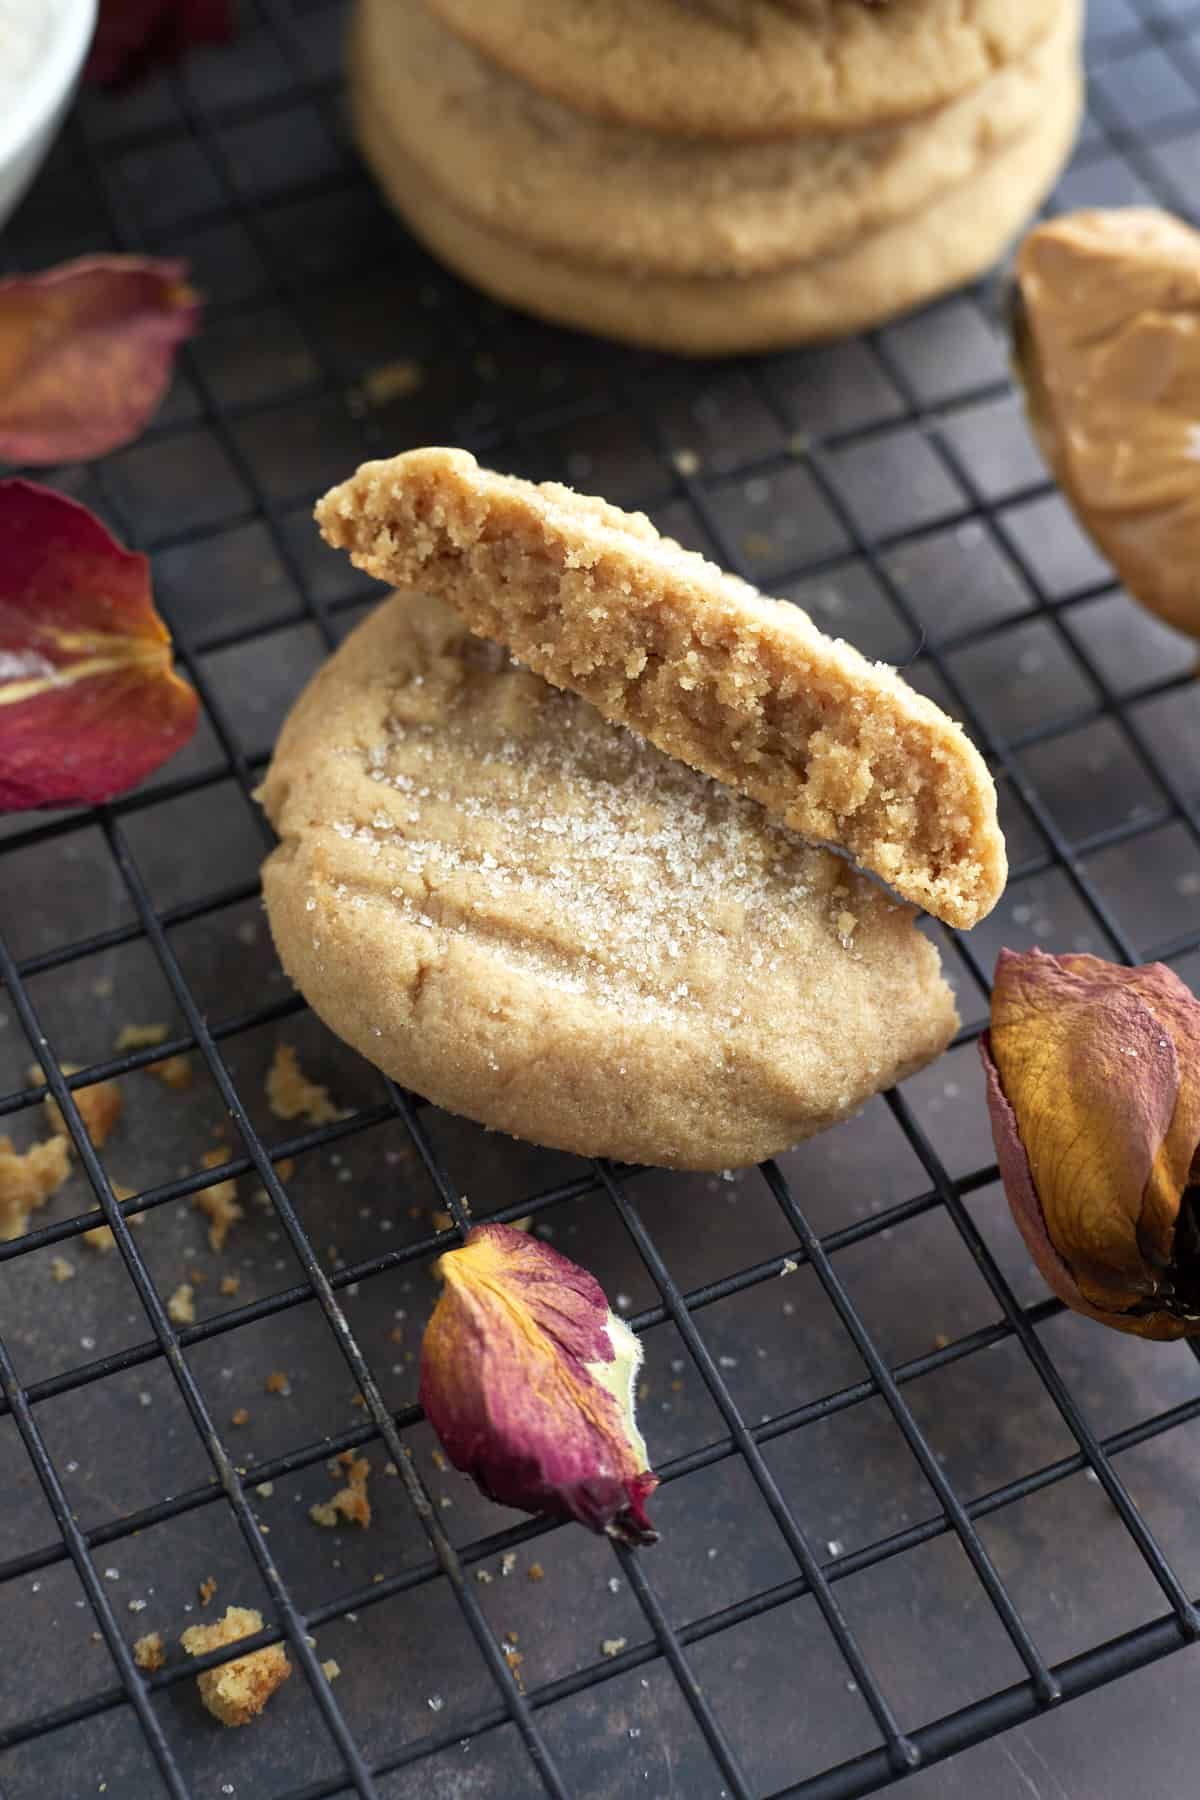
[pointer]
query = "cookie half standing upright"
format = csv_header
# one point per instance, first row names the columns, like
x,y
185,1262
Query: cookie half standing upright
x,y
566,929
742,687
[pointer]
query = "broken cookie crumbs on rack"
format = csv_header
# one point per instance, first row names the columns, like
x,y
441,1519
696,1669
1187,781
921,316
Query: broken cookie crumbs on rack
x,y
218,1203
27,1180
236,1692
149,1652
351,1505
99,1104
291,1095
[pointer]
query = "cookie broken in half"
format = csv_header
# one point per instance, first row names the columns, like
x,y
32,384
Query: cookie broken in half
x,y
533,917
739,686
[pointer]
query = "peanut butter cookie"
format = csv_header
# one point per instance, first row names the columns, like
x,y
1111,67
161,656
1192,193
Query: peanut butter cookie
x,y
527,167
765,70
742,687
954,238
535,918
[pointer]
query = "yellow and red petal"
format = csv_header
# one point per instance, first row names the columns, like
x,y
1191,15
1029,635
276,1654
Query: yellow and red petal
x,y
86,352
1093,1074
528,1378
89,700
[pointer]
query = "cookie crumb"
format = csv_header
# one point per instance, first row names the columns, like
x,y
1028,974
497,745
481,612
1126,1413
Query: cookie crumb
x,y
99,1105
174,1072
240,1417
277,1383
237,1691
535,1572
218,1203
100,1237
61,1269
230,1285
207,1589
139,1037
330,1669
27,1180
150,1652
181,1307
291,1095
350,1502
613,1646
686,461
391,381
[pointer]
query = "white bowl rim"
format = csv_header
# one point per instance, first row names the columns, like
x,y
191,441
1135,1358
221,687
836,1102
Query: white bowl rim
x,y
52,78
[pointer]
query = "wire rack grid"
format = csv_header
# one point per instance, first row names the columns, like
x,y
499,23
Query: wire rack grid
x,y
889,485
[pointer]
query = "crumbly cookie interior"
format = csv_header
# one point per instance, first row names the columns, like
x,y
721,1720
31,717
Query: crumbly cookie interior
x,y
744,688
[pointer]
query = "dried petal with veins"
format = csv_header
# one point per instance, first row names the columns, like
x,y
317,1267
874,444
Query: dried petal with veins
x,y
89,700
528,1379
1093,1076
86,352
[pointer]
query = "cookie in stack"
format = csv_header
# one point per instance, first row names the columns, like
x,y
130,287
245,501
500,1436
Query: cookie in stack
x,y
712,176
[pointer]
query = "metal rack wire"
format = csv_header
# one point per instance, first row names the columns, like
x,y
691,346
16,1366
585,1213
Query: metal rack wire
x,y
240,161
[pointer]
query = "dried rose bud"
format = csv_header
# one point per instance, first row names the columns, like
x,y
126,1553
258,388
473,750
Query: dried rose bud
x,y
86,352
528,1379
133,35
89,702
1093,1083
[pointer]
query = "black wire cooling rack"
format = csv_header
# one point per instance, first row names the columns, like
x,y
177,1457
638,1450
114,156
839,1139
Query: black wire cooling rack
x,y
880,1544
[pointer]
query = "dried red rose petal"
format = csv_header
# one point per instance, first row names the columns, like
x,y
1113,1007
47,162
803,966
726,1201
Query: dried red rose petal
x,y
528,1378
132,35
89,703
85,354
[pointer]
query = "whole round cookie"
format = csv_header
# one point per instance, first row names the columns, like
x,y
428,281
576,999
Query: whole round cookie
x,y
534,918
591,191
765,69
953,240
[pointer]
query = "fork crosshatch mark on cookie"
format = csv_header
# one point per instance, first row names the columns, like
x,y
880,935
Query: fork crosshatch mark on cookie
x,y
534,918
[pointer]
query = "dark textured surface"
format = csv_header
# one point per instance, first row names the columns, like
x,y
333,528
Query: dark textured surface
x,y
889,485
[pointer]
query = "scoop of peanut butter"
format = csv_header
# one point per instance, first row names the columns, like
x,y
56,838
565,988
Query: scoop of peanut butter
x,y
1107,339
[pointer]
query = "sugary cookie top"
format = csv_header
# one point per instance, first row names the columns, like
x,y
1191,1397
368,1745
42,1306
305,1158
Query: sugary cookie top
x,y
484,802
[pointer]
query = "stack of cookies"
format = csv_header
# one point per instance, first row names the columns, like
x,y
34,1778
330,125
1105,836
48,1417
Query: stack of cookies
x,y
711,176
